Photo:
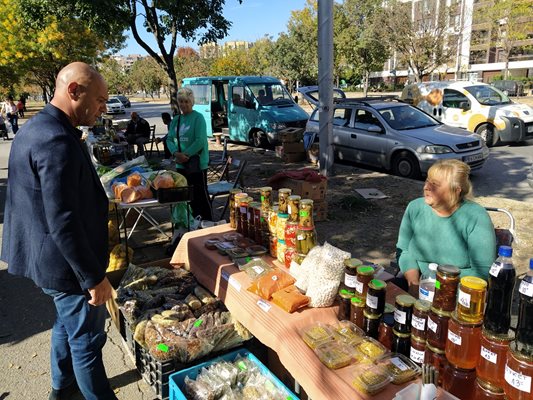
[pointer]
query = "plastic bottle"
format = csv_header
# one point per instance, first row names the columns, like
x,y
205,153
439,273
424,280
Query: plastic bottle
x,y
524,330
502,277
426,290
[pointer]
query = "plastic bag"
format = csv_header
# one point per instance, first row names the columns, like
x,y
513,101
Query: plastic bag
x,y
290,299
271,282
122,171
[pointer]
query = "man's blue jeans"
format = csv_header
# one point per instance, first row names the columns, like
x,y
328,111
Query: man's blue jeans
x,y
78,337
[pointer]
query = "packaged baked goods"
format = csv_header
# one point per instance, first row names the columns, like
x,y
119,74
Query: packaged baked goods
x,y
316,334
134,179
271,282
290,299
401,368
334,355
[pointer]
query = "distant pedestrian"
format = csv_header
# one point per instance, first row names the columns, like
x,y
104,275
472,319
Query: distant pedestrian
x,y
20,108
9,109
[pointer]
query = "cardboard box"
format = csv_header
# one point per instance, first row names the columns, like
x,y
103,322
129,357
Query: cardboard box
x,y
308,190
296,147
291,135
293,157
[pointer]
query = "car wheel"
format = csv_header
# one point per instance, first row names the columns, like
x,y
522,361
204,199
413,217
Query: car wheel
x,y
258,139
486,131
406,165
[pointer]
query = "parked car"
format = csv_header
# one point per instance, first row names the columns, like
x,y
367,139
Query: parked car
x,y
530,177
390,134
509,87
115,106
124,100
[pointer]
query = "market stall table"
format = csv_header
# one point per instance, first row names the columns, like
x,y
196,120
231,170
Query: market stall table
x,y
274,327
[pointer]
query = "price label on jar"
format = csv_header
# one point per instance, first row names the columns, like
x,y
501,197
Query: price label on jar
x,y
526,288
400,316
464,299
517,380
417,355
418,323
244,210
350,280
495,270
359,286
454,338
371,301
489,355
432,325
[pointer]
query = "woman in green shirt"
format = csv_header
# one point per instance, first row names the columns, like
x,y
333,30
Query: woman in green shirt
x,y
191,141
446,226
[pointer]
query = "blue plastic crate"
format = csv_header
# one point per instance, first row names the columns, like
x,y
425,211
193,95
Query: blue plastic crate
x,y
177,380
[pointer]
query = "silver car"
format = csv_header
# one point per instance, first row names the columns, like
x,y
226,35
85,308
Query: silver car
x,y
390,134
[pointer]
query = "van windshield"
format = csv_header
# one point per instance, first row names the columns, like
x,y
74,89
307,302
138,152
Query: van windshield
x,y
488,95
271,94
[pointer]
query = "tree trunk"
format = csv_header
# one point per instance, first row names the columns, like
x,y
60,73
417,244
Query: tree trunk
x,y
365,83
173,87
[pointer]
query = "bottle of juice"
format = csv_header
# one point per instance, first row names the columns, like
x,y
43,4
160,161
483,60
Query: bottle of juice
x,y
426,290
502,276
524,329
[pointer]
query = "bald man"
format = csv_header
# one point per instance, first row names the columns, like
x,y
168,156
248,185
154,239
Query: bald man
x,y
55,228
138,132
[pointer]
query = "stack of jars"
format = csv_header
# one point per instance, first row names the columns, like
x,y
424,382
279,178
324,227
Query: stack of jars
x,y
374,307
305,234
233,207
281,224
418,330
401,333
262,231
356,280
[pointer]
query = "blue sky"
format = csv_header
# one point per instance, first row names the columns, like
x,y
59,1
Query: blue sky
x,y
251,20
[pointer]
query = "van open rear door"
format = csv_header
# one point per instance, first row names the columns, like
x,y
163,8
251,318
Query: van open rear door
x,y
202,99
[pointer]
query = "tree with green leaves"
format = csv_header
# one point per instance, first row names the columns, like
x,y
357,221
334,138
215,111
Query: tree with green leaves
x,y
188,63
148,75
117,80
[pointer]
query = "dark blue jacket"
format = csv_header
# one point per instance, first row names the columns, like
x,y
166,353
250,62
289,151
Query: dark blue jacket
x,y
55,220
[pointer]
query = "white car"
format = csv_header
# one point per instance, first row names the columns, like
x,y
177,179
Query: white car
x,y
115,106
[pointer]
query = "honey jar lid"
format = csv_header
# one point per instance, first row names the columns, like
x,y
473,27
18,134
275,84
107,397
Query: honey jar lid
x,y
358,301
352,262
285,190
448,270
418,339
401,335
473,282
389,308
368,315
441,313
488,387
365,270
240,195
405,300
346,294
294,197
306,201
377,284
422,305
500,337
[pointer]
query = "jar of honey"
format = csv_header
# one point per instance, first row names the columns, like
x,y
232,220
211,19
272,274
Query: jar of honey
x,y
437,359
403,313
291,228
280,227
293,208
401,342
365,274
518,375
306,214
266,197
232,219
471,299
283,200
345,300
371,324
280,251
437,328
486,391
463,343
491,363
459,381
350,272
446,288
419,319
418,349
357,309
385,333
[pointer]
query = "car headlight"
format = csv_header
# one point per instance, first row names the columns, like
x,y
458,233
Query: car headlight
x,y
436,149
509,113
277,126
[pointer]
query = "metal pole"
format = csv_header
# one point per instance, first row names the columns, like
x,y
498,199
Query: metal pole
x,y
325,84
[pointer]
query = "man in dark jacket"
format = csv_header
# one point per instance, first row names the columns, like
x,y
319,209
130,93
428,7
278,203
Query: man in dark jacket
x,y
55,228
138,132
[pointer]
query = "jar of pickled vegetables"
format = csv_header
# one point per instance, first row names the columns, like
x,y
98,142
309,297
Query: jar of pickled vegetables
x,y
371,324
486,391
471,299
290,252
385,332
418,349
273,246
437,359
403,313
357,309
266,197
446,287
280,250
459,381
293,207
493,351
463,343
437,328
291,229
419,319
345,300
365,274
306,214
375,297
232,219
350,272
273,221
283,200
282,223
518,375
305,239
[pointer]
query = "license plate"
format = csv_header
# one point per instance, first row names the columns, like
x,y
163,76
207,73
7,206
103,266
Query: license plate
x,y
473,157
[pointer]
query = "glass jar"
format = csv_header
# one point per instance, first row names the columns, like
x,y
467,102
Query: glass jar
x,y
232,219
266,197
403,313
401,342
345,301
251,216
357,309
486,391
290,252
385,334
237,208
293,207
350,272
420,317
290,233
281,225
437,328
273,246
280,251
518,375
371,324
365,274
459,381
273,221
437,358
418,349
306,214
243,215
493,350
446,287
283,200
375,297
305,239
471,299
463,343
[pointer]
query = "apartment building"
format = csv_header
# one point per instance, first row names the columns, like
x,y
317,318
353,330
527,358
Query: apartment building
x,y
212,50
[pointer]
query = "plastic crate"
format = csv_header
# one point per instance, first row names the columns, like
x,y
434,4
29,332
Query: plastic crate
x,y
169,195
177,380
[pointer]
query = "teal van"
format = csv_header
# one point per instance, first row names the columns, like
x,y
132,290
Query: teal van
x,y
254,109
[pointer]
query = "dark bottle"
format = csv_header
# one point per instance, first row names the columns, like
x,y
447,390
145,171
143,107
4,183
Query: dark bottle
x,y
501,283
524,329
